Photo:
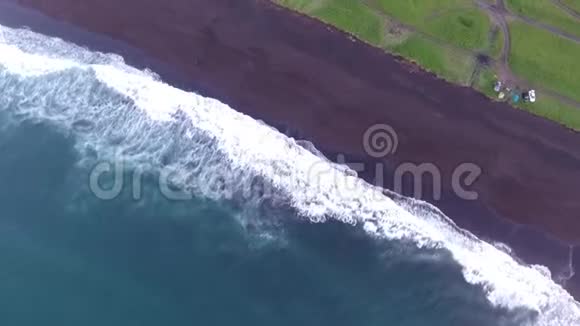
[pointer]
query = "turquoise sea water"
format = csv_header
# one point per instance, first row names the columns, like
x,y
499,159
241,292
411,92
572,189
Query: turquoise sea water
x,y
69,258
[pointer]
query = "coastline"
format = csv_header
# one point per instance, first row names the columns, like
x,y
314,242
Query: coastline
x,y
300,76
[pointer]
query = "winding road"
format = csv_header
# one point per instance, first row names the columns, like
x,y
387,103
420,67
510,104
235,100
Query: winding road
x,y
549,28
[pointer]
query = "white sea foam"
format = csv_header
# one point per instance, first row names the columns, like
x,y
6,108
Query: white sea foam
x,y
147,121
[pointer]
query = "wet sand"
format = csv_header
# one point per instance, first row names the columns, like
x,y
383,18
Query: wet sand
x,y
315,83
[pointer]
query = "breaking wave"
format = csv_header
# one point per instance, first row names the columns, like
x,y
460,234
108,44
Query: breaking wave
x,y
121,113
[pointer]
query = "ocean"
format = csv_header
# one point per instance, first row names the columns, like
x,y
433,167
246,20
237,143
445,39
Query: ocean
x,y
127,201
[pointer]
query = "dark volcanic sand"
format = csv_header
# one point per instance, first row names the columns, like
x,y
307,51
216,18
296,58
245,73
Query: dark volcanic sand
x,y
314,83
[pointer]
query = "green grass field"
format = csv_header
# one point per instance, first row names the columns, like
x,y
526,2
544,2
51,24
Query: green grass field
x,y
456,22
354,17
347,15
546,12
468,28
456,67
485,82
415,12
545,59
444,36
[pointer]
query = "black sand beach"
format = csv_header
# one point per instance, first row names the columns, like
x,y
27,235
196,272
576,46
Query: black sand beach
x,y
315,83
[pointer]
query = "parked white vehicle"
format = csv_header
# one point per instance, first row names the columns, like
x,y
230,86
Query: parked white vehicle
x,y
497,86
529,96
532,95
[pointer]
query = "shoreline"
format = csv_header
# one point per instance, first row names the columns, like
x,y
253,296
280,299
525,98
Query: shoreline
x,y
261,68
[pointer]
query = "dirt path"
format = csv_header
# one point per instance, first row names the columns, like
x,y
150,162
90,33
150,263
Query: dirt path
x,y
496,13
569,10
502,10
546,27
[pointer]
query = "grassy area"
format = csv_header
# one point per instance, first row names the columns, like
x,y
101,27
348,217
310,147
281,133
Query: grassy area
x,y
347,15
468,28
455,67
546,12
416,12
456,22
354,17
545,59
305,6
485,83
